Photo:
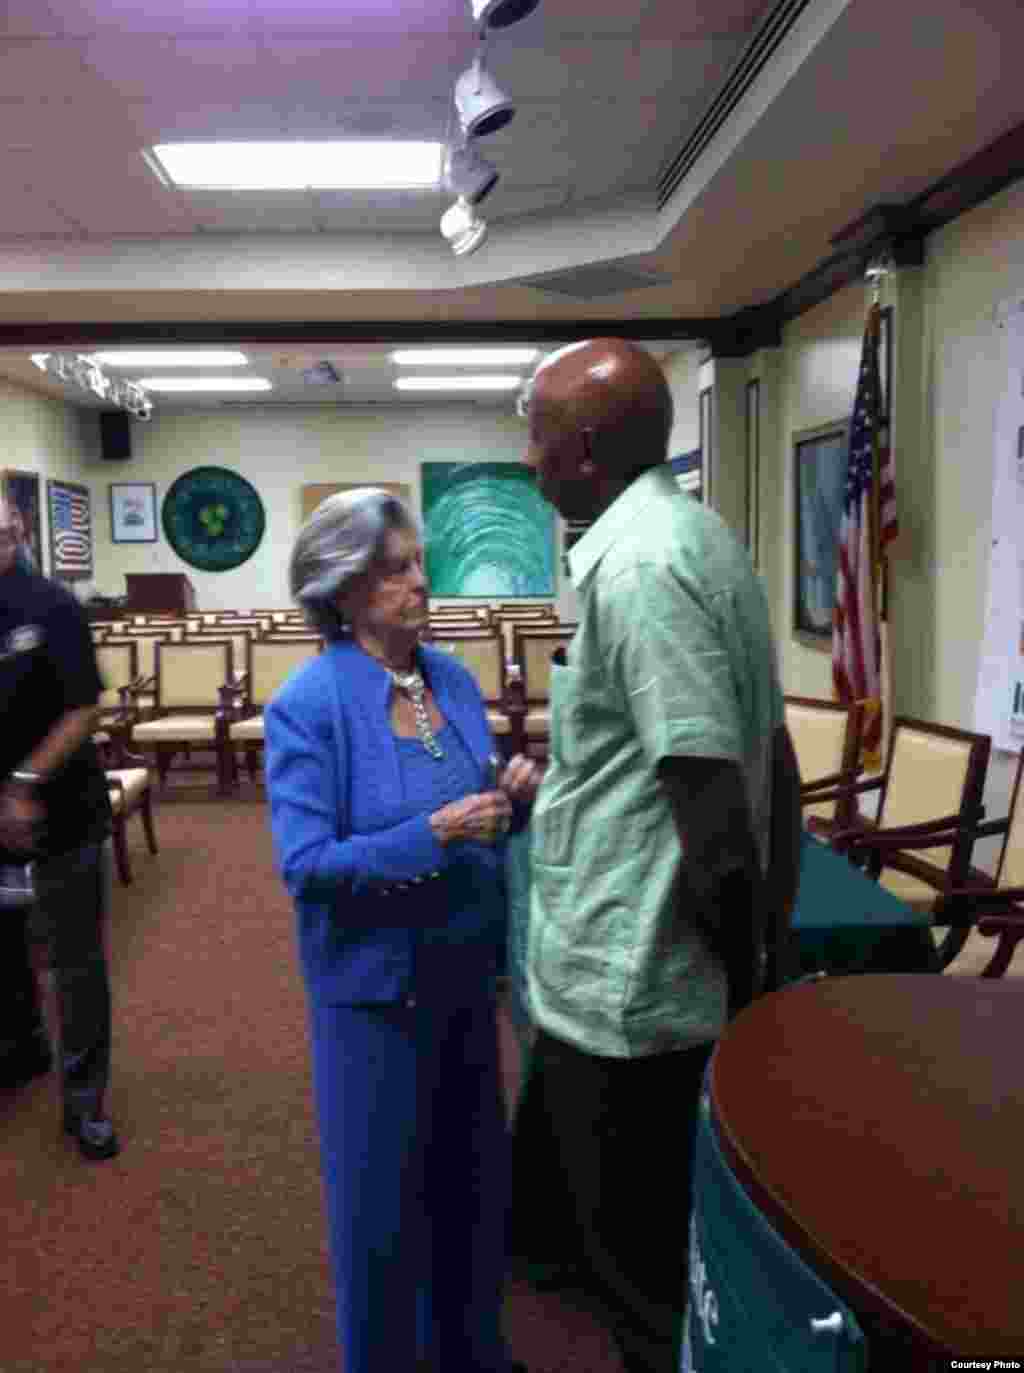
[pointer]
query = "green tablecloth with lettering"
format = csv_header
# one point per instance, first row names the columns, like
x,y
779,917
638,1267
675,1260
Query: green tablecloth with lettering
x,y
754,1304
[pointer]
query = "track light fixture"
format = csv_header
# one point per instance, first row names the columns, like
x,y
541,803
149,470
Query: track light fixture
x,y
74,369
468,174
462,229
499,14
482,106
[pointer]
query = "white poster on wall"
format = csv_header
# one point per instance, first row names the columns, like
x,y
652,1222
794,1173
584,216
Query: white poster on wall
x,y
999,701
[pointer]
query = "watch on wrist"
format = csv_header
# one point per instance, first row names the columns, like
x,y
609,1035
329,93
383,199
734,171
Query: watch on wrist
x,y
23,777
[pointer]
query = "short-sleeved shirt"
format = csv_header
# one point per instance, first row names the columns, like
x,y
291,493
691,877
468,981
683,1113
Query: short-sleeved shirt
x,y
47,668
673,657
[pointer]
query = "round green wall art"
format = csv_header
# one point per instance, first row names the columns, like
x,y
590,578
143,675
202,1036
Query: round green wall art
x,y
213,518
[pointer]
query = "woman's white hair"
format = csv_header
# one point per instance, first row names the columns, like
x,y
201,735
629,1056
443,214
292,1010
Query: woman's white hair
x,y
338,542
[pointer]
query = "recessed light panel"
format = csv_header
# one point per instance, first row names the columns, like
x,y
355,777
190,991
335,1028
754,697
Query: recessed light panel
x,y
353,164
204,384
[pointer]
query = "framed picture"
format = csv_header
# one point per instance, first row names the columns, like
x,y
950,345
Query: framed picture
x,y
22,490
489,532
753,434
70,531
706,412
819,484
687,467
133,512
885,362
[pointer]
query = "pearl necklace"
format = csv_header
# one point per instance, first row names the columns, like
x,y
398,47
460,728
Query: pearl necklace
x,y
415,688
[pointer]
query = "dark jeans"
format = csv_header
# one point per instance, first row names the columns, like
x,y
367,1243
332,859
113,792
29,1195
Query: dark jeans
x,y
602,1178
71,891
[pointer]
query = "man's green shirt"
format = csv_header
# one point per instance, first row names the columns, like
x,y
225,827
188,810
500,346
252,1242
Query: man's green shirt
x,y
674,657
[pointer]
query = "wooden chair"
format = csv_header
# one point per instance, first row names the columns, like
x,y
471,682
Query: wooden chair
x,y
533,648
932,786
269,662
826,738
483,654
188,713
142,689
129,786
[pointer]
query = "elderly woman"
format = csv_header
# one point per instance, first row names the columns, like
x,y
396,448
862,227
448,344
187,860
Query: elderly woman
x,y
389,818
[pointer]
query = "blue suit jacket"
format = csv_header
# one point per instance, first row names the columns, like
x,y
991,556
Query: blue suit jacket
x,y
334,787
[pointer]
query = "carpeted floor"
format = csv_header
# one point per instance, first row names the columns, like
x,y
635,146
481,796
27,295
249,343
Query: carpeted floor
x,y
201,1248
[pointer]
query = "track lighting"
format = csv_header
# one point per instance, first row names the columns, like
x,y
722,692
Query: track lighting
x,y
468,174
499,14
82,371
482,106
461,228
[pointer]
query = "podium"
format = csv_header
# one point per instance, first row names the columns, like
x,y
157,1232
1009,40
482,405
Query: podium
x,y
159,592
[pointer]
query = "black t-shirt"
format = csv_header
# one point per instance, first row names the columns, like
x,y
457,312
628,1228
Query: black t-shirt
x,y
47,668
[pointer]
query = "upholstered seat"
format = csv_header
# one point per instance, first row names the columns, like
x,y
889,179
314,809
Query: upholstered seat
x,y
188,713
129,786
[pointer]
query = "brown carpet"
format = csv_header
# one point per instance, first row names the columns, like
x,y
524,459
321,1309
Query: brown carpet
x,y
201,1248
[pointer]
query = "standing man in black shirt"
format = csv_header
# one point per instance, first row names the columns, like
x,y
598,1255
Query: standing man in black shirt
x,y
54,814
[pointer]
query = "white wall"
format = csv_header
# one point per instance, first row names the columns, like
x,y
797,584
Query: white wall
x,y
281,449
682,369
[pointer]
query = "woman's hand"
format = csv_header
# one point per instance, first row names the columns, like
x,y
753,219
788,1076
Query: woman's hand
x,y
484,817
520,779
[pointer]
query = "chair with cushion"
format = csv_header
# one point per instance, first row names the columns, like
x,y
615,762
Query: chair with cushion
x,y
482,652
826,739
187,714
533,648
269,662
129,786
142,688
933,783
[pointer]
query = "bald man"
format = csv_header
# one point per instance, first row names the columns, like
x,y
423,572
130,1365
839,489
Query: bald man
x,y
665,839
54,813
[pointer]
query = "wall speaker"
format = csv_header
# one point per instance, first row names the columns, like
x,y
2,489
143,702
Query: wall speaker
x,y
115,435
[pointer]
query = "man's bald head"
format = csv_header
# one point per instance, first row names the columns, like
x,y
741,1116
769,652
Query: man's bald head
x,y
600,414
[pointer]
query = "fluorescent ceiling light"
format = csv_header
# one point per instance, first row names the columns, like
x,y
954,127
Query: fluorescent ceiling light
x,y
364,164
464,357
204,383
167,357
457,383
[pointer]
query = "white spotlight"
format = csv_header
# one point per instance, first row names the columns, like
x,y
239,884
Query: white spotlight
x,y
482,106
461,228
468,174
498,14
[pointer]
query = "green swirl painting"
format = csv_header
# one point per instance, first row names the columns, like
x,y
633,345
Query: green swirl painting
x,y
489,532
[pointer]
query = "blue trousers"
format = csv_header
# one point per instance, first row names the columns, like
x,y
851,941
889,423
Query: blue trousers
x,y
416,1166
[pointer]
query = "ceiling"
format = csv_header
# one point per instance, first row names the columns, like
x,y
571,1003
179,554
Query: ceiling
x,y
856,103
366,377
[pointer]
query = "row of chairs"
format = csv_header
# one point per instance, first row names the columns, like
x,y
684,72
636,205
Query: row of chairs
x,y
920,843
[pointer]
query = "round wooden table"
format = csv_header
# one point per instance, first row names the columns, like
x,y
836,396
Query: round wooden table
x,y
878,1122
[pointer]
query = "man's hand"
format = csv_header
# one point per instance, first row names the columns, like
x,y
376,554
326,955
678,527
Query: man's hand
x,y
21,819
520,779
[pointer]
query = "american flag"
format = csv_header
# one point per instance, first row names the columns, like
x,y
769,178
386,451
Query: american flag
x,y
867,527
72,532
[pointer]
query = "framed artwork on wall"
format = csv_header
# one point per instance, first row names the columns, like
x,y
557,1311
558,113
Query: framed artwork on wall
x,y
70,507
488,530
315,492
133,512
753,433
819,485
689,476
706,402
22,489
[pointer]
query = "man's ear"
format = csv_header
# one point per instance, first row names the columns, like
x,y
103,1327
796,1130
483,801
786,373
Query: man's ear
x,y
588,465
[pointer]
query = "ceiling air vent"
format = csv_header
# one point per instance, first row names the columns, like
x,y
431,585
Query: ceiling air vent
x,y
770,35
590,283
321,374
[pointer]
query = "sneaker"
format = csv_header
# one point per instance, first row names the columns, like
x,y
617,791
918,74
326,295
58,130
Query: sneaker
x,y
96,1137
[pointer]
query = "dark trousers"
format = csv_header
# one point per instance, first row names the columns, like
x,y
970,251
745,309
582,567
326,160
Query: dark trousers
x,y
414,1151
602,1178
71,895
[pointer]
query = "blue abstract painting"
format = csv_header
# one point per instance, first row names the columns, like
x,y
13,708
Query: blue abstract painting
x,y
489,532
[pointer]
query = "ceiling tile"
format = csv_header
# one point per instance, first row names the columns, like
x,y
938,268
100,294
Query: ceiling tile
x,y
31,67
265,212
25,213
652,69
412,211
108,195
506,201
